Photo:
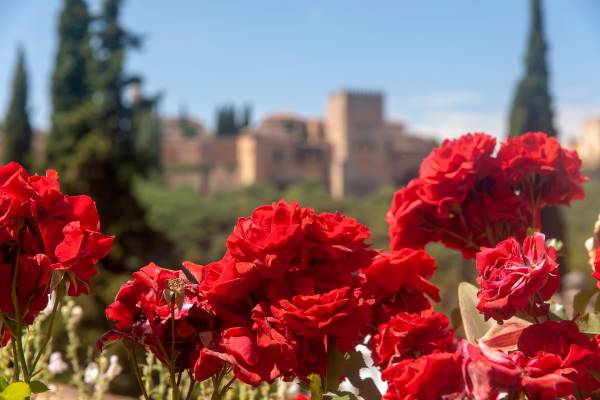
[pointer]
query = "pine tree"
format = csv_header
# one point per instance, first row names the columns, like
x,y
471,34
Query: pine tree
x,y
71,90
17,128
532,109
532,104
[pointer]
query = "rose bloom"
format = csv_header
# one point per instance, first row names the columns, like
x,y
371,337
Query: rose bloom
x,y
147,308
41,220
286,289
428,377
398,281
487,373
267,238
407,218
411,335
450,171
557,358
514,279
33,278
537,164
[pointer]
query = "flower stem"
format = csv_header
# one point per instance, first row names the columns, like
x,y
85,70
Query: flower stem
x,y
136,369
42,349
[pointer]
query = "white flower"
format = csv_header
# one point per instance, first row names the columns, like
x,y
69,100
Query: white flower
x,y
114,368
56,364
90,376
76,313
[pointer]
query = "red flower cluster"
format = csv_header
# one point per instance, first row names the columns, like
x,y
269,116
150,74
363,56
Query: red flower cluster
x,y
467,198
513,280
286,290
44,233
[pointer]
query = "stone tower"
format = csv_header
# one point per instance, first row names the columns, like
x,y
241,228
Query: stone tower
x,y
354,127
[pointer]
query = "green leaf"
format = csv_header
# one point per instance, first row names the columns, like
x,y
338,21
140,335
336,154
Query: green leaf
x,y
38,387
315,386
581,300
16,391
340,396
3,383
473,322
589,323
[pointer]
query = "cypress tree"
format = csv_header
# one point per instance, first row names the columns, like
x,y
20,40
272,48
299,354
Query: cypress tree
x,y
532,110
532,104
17,128
105,161
71,89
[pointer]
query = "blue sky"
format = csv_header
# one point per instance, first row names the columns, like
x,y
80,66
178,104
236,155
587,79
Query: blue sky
x,y
446,67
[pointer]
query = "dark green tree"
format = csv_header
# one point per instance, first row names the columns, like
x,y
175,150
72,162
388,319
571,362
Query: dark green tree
x,y
71,91
17,128
532,109
230,121
107,155
532,104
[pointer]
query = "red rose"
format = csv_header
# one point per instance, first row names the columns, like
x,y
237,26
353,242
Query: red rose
x,y
428,377
512,279
556,357
537,164
340,314
450,171
285,289
267,238
41,220
147,308
398,281
251,363
487,373
32,289
409,335
407,218
406,268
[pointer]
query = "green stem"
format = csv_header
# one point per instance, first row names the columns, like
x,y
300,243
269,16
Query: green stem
x,y
42,349
174,386
15,300
136,369
191,388
216,380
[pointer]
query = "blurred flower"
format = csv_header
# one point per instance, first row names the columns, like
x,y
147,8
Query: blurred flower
x,y
91,373
114,368
76,314
56,364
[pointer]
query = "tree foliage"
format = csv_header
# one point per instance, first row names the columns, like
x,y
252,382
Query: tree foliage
x,y
17,128
231,121
532,104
